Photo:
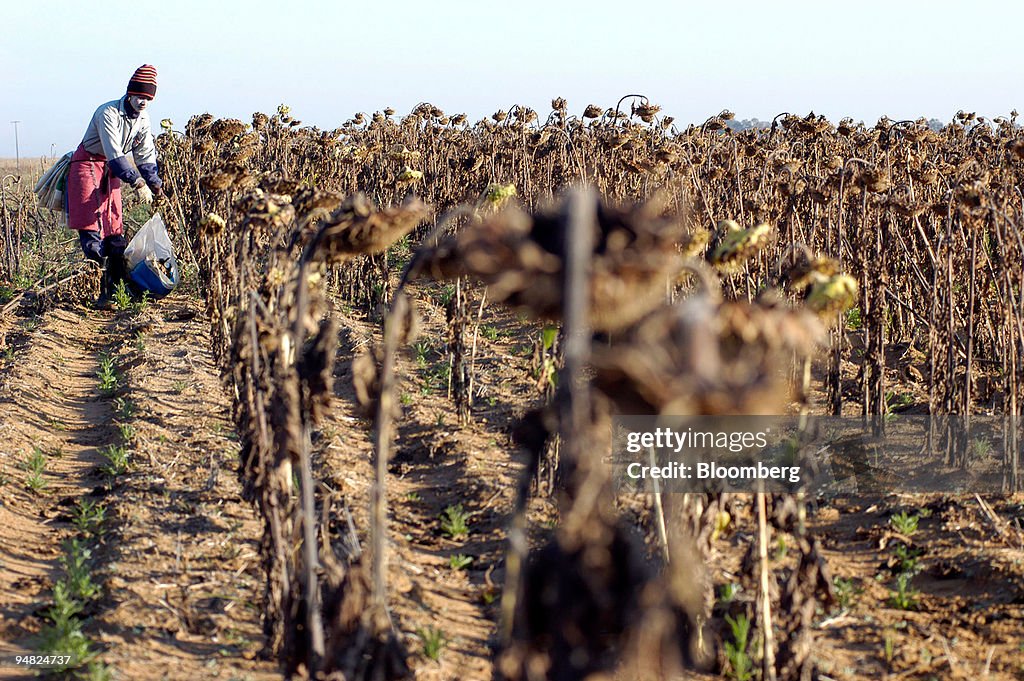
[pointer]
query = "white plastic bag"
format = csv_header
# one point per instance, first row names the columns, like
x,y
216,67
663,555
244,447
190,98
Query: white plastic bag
x,y
150,257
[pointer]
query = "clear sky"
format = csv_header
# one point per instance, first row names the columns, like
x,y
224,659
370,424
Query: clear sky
x,y
903,58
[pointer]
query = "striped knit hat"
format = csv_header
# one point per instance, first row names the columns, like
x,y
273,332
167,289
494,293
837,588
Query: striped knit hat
x,y
143,82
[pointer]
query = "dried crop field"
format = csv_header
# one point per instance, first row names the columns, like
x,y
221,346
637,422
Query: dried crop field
x,y
368,438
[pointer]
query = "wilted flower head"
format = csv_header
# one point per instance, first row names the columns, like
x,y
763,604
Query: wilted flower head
x,y
211,225
498,194
409,175
833,296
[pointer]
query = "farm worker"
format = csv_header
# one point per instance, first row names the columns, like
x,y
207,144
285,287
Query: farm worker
x,y
117,130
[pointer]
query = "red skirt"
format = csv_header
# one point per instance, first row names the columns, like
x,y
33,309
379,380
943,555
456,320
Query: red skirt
x,y
94,195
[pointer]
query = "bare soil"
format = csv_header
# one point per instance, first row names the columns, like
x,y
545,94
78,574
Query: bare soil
x,y
179,564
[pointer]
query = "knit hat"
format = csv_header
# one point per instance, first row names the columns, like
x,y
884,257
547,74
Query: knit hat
x,y
143,82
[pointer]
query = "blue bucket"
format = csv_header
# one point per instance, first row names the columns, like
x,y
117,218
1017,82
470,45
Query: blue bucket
x,y
159,278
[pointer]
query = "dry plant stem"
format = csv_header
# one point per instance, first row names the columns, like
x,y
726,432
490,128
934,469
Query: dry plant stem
x,y
382,448
181,225
311,567
472,354
581,218
17,299
517,549
766,603
659,510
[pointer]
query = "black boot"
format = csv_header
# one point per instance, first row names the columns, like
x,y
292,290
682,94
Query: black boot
x,y
117,267
118,270
104,302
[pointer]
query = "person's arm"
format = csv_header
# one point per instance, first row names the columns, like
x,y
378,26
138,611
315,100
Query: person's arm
x,y
110,127
145,154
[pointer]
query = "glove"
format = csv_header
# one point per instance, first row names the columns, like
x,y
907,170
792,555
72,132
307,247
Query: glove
x,y
143,190
159,196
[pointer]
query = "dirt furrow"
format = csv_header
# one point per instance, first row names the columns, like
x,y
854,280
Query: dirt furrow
x,y
184,579
54,421
445,585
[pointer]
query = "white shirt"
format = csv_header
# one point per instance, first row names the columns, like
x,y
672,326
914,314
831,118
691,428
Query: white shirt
x,y
113,134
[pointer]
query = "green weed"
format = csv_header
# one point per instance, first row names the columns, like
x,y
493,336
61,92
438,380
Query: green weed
x,y
423,352
907,558
905,596
905,523
122,298
77,573
124,408
117,456
890,646
741,667
460,561
107,375
127,432
727,592
853,319
980,449
433,640
846,591
454,522
35,464
89,517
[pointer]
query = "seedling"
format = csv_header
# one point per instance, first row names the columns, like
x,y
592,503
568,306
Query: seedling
x,y
905,596
35,464
489,595
846,591
422,349
433,640
907,559
904,523
727,592
853,320
122,298
445,295
107,375
454,522
489,332
890,646
123,408
981,449
89,516
460,561
118,458
126,431
78,576
741,667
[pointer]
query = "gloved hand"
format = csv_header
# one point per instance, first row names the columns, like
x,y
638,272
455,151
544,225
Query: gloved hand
x,y
143,190
158,195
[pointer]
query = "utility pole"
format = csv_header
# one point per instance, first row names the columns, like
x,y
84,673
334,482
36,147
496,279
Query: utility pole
x,y
17,150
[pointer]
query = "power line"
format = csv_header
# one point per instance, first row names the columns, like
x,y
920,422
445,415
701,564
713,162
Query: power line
x,y
17,149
